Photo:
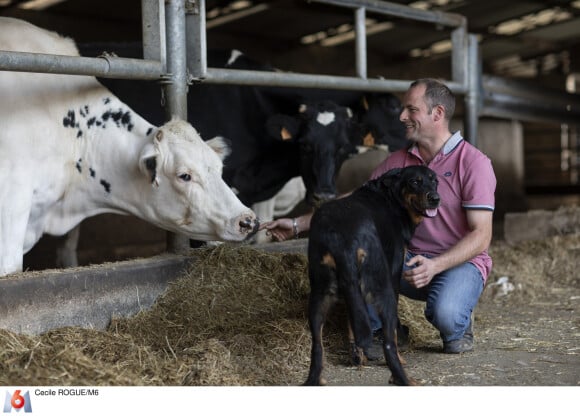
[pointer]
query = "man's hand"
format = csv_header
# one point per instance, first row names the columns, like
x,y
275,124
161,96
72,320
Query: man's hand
x,y
421,272
280,229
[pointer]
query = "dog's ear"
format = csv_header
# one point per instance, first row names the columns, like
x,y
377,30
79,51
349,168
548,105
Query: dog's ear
x,y
391,183
389,177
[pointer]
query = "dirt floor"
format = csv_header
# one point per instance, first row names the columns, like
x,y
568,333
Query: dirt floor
x,y
527,333
535,344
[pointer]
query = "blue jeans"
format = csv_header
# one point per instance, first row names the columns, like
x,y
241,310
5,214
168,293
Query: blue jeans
x,y
450,299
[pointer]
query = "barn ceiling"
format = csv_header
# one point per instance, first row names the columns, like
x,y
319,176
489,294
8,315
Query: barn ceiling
x,y
517,38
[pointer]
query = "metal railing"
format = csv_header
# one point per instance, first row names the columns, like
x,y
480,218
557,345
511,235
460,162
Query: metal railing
x,y
174,42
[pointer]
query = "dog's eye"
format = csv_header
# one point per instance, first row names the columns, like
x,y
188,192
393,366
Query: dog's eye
x,y
186,177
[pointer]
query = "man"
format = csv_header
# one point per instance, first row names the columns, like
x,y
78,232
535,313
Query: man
x,y
447,262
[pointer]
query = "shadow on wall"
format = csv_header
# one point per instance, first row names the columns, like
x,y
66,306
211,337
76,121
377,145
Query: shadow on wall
x,y
106,237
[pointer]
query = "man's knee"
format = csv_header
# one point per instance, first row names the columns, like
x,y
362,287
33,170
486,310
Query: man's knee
x,y
450,319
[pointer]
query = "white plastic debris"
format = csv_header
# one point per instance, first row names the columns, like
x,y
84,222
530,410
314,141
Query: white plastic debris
x,y
501,287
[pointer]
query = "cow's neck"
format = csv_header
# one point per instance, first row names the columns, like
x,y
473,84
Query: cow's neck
x,y
110,137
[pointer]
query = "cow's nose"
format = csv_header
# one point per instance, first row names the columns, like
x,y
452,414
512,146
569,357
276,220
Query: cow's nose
x,y
250,224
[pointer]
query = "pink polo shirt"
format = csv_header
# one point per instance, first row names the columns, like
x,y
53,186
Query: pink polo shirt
x,y
466,181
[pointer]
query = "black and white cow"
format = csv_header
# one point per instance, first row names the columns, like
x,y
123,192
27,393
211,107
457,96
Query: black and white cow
x,y
70,149
275,133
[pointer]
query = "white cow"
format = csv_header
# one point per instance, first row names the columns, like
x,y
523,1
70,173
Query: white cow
x,y
69,149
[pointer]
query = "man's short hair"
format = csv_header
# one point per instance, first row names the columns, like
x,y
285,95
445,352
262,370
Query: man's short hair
x,y
437,93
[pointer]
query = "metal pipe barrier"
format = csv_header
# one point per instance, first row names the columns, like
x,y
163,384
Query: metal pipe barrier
x,y
522,101
104,66
175,85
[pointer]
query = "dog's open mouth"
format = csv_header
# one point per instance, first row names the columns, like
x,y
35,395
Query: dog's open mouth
x,y
430,212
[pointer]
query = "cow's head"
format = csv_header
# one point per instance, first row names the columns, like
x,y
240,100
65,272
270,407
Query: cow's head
x,y
378,122
185,192
322,130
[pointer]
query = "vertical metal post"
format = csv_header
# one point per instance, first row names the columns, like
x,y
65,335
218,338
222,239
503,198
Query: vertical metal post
x,y
473,93
175,84
153,26
459,55
361,42
196,39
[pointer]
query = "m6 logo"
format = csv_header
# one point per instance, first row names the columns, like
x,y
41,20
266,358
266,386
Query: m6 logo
x,y
17,402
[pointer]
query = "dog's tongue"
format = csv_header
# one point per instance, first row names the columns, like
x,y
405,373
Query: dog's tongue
x,y
431,212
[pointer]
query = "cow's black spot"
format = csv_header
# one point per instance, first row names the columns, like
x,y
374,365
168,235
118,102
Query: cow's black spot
x,y
79,166
69,120
120,117
106,185
84,111
92,172
126,120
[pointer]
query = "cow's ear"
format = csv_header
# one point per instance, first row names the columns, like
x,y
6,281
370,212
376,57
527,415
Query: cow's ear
x,y
148,162
369,139
365,102
221,146
283,127
361,136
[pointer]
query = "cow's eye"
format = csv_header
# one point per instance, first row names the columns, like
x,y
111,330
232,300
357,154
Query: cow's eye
x,y
186,177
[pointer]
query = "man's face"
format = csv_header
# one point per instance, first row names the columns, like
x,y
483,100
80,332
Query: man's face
x,y
415,115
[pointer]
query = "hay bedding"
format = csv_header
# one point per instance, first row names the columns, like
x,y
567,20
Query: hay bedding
x,y
238,318
235,318
537,268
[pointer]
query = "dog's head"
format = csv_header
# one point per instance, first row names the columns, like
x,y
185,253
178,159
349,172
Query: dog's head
x,y
416,188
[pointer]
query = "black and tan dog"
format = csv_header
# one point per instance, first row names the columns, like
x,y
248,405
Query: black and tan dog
x,y
356,250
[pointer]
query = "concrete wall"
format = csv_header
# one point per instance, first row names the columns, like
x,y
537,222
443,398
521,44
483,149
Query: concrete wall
x,y
32,303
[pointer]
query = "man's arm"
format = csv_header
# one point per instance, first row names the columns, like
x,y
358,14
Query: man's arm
x,y
477,240
283,228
